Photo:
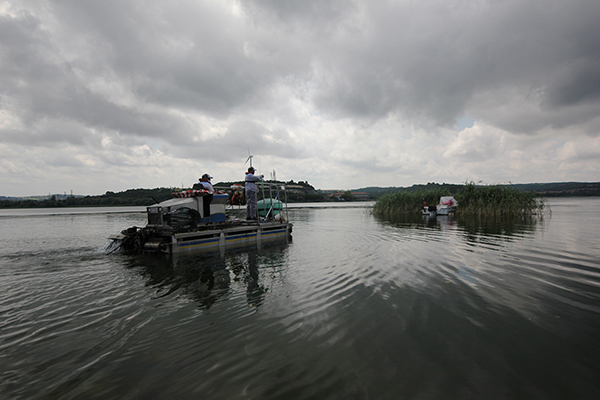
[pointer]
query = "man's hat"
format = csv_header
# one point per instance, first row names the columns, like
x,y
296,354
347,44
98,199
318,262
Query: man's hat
x,y
251,169
206,176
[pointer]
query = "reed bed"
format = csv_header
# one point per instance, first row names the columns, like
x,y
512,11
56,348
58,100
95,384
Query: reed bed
x,y
473,200
400,203
497,201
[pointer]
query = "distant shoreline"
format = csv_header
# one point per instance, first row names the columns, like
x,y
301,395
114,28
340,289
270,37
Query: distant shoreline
x,y
306,193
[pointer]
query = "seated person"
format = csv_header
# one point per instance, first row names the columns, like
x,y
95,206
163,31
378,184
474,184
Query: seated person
x,y
204,183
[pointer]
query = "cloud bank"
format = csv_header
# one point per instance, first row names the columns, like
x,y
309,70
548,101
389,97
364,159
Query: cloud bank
x,y
112,95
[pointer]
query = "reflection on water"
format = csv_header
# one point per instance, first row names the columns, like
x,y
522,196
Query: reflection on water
x,y
207,278
471,226
355,307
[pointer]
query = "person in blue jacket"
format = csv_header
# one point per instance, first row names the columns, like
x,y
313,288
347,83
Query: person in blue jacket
x,y
251,191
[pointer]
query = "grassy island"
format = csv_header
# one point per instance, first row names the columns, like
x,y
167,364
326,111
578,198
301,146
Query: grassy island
x,y
473,200
406,202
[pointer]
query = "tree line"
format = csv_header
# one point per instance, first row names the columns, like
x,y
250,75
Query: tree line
x,y
145,197
131,197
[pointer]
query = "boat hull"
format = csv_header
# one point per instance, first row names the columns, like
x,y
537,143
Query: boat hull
x,y
220,240
447,206
212,240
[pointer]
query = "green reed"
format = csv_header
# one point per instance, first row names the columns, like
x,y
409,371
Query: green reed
x,y
497,201
406,202
473,200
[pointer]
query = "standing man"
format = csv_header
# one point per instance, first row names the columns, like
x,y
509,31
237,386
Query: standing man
x,y
251,190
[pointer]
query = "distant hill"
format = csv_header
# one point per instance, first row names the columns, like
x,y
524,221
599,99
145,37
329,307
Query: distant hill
x,y
131,197
297,192
375,192
561,189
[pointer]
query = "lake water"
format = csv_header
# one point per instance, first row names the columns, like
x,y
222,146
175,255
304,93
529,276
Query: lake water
x,y
353,308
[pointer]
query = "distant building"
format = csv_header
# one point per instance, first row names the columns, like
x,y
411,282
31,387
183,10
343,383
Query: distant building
x,y
360,195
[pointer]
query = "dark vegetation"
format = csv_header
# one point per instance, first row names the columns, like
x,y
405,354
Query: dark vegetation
x,y
473,200
304,192
403,202
561,189
131,197
297,192
557,189
448,188
497,201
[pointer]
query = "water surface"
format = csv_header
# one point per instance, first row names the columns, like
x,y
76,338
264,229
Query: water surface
x,y
353,308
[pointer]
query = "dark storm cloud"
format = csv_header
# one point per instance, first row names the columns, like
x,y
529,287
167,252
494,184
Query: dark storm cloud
x,y
40,87
320,13
192,56
579,84
424,61
432,59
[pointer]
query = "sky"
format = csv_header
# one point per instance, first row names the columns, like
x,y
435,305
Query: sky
x,y
112,95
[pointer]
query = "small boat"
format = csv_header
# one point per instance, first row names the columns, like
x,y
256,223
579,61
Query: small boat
x,y
179,226
447,206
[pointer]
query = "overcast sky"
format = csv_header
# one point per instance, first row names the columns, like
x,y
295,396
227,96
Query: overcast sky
x,y
119,94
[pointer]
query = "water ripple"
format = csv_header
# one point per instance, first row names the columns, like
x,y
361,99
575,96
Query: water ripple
x,y
354,307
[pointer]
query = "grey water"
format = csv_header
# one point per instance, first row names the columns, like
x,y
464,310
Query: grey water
x,y
354,307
